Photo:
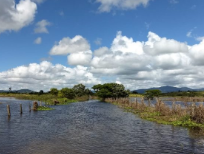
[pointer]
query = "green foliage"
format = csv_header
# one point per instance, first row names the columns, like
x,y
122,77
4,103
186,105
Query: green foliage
x,y
110,90
150,94
88,92
134,92
54,91
79,90
41,92
68,93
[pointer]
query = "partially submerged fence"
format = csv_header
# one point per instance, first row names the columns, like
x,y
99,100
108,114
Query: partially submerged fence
x,y
21,107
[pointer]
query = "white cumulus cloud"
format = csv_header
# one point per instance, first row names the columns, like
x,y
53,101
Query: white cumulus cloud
x,y
38,40
156,45
108,5
80,58
155,62
14,17
38,1
45,76
41,26
197,53
68,45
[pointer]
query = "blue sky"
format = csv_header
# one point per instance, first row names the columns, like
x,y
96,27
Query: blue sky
x,y
29,35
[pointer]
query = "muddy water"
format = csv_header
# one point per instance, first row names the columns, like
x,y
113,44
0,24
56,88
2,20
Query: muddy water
x,y
89,127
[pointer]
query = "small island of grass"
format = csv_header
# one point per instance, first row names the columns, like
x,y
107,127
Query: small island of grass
x,y
44,108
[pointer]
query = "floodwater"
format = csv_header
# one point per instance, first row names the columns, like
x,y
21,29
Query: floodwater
x,y
90,127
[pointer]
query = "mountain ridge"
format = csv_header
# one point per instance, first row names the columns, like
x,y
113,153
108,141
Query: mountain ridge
x,y
167,89
17,91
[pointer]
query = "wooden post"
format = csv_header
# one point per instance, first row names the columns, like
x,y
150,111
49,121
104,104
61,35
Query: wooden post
x,y
29,107
193,109
21,110
136,102
40,103
8,110
149,102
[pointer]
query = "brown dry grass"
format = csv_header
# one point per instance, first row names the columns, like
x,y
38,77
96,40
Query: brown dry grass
x,y
165,112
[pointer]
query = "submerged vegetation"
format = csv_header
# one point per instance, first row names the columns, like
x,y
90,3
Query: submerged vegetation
x,y
44,108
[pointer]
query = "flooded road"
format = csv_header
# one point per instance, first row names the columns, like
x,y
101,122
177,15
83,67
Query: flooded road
x,y
89,127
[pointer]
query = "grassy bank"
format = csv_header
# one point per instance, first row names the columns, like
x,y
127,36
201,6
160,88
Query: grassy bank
x,y
189,115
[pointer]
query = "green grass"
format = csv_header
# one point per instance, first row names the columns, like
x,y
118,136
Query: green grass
x,y
44,108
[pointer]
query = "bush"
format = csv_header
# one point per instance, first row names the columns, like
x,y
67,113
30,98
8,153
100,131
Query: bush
x,y
67,93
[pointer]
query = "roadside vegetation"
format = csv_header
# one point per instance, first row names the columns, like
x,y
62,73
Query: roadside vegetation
x,y
189,112
186,113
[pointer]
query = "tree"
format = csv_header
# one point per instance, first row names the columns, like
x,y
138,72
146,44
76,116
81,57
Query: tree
x,y
79,90
41,92
88,92
110,90
68,93
135,92
150,94
54,91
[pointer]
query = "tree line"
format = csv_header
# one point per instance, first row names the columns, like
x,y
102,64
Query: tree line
x,y
103,91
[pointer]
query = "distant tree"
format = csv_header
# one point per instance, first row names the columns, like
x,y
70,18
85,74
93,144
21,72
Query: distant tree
x,y
79,90
150,94
54,91
128,91
135,92
97,87
110,90
41,92
68,93
88,92
10,89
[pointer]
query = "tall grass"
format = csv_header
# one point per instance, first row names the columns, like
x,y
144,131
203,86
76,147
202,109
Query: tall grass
x,y
186,114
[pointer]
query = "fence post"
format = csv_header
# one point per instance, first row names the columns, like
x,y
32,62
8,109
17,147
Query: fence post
x,y
8,110
136,102
193,109
29,107
149,102
21,110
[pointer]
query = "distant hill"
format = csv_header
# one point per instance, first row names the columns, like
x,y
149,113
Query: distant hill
x,y
17,91
166,89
